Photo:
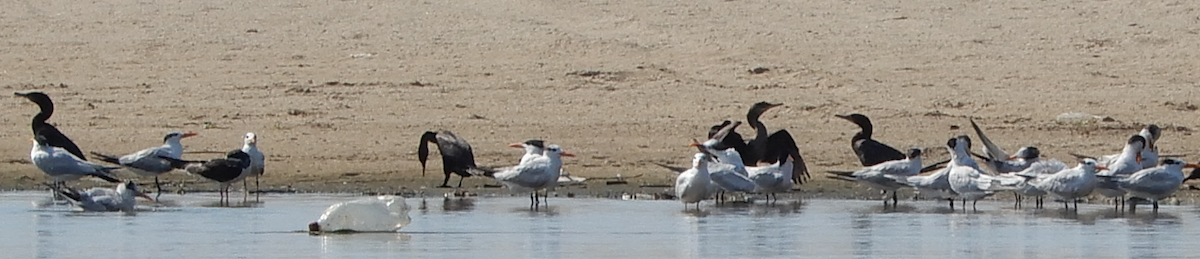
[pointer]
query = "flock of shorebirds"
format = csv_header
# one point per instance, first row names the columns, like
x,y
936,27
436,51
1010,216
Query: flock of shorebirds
x,y
768,164
56,155
1136,173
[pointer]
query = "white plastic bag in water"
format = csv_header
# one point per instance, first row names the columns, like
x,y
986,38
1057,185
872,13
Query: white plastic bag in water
x,y
386,213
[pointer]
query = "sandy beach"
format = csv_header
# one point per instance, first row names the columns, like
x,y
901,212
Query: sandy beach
x,y
339,92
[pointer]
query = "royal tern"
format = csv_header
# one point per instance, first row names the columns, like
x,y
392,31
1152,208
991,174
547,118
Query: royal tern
x,y
934,186
966,178
1069,185
727,170
53,137
770,180
1155,183
764,148
224,171
533,149
122,198
457,157
148,162
533,175
693,185
257,163
1150,152
63,166
869,151
1126,163
999,161
1023,181
888,176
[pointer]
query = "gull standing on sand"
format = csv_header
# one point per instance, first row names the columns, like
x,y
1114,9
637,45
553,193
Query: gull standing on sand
x,y
53,137
257,164
692,185
63,166
888,176
122,198
149,162
1069,185
1124,164
224,171
1155,183
533,175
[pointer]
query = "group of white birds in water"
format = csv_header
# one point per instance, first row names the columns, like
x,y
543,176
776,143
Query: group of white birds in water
x,y
56,155
1136,172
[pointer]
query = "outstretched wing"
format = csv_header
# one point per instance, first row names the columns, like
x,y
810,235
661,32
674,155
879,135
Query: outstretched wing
x,y
780,145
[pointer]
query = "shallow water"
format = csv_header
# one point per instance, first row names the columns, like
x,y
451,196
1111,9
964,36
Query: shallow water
x,y
193,227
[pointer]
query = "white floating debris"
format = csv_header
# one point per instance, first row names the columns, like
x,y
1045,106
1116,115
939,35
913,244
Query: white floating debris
x,y
386,213
362,55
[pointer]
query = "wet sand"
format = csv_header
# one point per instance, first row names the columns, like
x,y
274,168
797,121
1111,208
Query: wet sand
x,y
340,91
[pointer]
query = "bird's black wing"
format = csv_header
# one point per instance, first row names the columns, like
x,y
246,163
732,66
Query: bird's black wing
x,y
456,153
871,152
781,145
221,169
56,138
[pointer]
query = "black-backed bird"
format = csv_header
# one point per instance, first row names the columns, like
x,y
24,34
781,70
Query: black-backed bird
x,y
225,171
54,137
869,151
457,157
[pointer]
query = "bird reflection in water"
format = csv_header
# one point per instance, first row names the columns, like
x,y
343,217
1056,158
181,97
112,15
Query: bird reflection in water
x,y
457,204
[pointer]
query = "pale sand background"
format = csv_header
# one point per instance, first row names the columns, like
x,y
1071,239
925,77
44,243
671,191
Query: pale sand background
x,y
337,87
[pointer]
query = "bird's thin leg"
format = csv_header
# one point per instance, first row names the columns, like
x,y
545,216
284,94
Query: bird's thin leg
x,y
460,180
895,198
973,205
257,191
158,188
951,203
1156,206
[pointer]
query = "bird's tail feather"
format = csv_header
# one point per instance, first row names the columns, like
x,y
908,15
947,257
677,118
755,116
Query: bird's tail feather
x,y
841,175
107,158
675,169
483,171
65,192
179,163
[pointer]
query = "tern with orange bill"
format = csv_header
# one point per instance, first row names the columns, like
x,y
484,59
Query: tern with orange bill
x,y
1155,183
149,162
540,173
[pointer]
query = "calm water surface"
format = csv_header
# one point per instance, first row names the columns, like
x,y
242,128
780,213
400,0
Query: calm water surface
x,y
192,226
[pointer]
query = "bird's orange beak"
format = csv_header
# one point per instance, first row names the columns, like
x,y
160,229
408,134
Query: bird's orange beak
x,y
189,134
516,145
1012,157
1191,166
1100,167
567,154
694,144
143,195
33,140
